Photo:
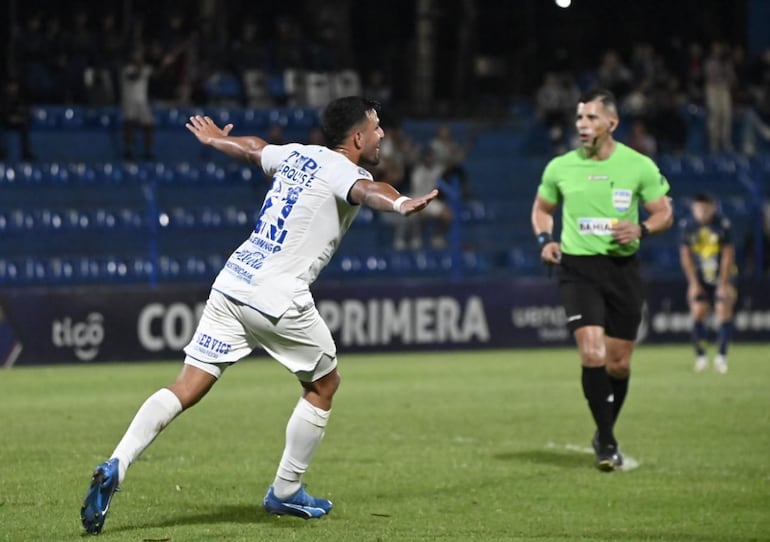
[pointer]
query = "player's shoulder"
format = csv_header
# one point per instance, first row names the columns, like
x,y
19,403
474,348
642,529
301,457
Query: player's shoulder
x,y
335,164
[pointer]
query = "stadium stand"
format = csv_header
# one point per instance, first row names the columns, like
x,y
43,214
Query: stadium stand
x,y
81,216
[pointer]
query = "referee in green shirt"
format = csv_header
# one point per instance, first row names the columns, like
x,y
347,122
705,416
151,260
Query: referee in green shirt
x,y
599,186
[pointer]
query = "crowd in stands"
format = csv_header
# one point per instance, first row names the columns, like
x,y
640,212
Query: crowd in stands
x,y
654,89
97,59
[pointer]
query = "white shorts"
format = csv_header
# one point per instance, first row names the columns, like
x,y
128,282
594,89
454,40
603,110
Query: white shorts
x,y
229,331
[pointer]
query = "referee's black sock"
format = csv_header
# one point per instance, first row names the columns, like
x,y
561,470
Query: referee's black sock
x,y
619,391
598,391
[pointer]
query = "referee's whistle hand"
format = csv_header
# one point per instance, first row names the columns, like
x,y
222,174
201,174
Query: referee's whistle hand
x,y
551,253
625,232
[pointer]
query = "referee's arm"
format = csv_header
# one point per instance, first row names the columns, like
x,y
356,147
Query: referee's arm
x,y
661,217
542,224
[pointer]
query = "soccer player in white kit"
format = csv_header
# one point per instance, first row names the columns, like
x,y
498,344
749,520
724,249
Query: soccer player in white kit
x,y
262,295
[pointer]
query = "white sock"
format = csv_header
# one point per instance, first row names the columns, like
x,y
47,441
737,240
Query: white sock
x,y
303,434
156,413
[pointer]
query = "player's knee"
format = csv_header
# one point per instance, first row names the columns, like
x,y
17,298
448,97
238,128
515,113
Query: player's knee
x,y
620,369
593,355
326,386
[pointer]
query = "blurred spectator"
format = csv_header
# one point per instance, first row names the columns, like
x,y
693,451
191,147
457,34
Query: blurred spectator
x,y
135,99
14,113
636,104
554,104
719,78
641,140
434,222
614,75
449,155
750,248
172,53
316,137
248,50
38,59
755,122
78,47
643,61
376,88
398,155
101,75
287,49
275,135
665,121
135,81
694,73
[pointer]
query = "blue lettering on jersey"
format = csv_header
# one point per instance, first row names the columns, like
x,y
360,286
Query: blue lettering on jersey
x,y
293,175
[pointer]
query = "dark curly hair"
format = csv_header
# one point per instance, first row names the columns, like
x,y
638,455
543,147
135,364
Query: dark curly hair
x,y
342,114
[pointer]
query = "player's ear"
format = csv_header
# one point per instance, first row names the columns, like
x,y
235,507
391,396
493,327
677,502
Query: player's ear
x,y
613,124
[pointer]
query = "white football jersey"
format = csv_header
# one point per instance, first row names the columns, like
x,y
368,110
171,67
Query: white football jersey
x,y
303,219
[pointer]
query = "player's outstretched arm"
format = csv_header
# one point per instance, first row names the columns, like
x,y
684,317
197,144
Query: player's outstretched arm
x,y
248,149
383,197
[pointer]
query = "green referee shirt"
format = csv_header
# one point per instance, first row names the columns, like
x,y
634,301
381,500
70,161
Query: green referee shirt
x,y
596,194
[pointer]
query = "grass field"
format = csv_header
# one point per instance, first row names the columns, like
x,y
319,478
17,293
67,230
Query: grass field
x,y
482,446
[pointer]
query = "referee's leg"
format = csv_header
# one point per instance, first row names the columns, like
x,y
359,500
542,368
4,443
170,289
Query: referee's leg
x,y
596,384
618,363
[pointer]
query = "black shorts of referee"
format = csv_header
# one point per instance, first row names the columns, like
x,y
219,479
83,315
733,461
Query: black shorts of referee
x,y
604,291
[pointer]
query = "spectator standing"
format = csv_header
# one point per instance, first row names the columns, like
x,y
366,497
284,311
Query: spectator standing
x,y
719,77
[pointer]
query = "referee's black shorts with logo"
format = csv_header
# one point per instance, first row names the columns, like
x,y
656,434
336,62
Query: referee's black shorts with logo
x,y
602,291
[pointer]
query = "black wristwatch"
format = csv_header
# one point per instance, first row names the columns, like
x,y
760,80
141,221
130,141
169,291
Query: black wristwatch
x,y
645,230
544,238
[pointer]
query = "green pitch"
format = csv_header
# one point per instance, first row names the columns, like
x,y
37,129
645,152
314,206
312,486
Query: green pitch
x,y
482,446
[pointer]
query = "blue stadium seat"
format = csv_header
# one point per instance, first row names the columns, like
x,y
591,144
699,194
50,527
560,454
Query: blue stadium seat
x,y
72,118
302,118
236,216
401,263
9,271
365,216
106,118
60,270
212,172
223,87
186,172
43,118
81,172
253,119
523,260
279,116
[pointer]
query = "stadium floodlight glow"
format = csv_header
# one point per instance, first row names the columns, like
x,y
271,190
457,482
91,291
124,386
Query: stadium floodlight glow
x,y
563,3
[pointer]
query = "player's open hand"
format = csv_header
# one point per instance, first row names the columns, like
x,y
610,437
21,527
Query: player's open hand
x,y
206,130
625,232
414,205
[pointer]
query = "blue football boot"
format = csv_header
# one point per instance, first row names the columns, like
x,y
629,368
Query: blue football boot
x,y
301,504
104,483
